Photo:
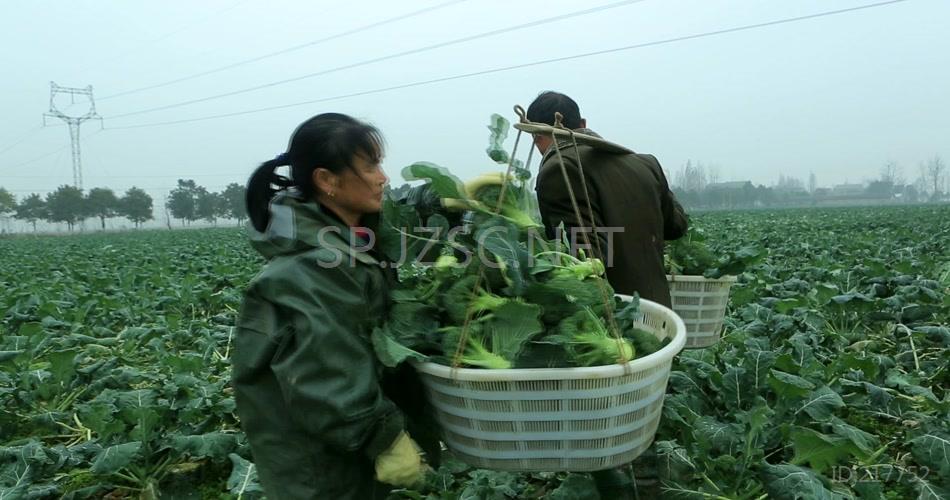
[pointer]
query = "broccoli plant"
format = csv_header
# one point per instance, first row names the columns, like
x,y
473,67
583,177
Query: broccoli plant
x,y
485,190
690,255
496,342
588,341
462,296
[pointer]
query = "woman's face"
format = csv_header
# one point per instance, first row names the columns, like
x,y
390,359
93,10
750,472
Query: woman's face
x,y
359,190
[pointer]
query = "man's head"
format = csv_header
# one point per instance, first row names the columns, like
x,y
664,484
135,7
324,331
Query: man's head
x,y
542,110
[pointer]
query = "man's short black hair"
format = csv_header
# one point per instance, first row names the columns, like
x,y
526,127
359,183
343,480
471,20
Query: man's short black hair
x,y
548,102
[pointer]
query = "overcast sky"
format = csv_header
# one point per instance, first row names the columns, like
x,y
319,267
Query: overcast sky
x,y
838,95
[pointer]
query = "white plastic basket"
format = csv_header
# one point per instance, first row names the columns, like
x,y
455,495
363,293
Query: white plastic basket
x,y
701,302
556,419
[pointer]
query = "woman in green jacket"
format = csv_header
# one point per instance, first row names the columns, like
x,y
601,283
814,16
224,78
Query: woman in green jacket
x,y
307,383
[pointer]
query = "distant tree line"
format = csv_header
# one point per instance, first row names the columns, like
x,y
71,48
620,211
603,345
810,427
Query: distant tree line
x,y
190,202
70,205
698,186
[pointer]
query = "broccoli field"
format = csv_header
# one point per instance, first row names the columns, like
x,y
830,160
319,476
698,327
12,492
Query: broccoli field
x,y
831,380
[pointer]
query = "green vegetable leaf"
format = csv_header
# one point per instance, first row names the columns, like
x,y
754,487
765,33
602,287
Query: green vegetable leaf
x,y
511,326
575,487
819,451
735,386
115,458
496,141
673,461
443,182
933,451
390,352
821,403
787,385
791,482
927,490
862,440
502,240
8,355
721,436
215,445
15,492
759,363
243,479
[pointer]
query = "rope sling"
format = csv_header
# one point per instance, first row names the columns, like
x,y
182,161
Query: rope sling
x,y
555,131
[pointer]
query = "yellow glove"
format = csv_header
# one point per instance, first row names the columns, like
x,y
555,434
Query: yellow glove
x,y
401,465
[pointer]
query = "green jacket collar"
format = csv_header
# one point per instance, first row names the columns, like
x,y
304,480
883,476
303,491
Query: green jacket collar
x,y
297,225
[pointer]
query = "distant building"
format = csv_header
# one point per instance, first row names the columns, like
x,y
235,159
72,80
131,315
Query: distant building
x,y
848,190
729,185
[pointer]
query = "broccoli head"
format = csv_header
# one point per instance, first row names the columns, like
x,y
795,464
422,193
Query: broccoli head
x,y
499,340
460,297
589,343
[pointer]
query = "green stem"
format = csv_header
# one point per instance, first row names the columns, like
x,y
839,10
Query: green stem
x,y
573,260
745,460
131,479
710,482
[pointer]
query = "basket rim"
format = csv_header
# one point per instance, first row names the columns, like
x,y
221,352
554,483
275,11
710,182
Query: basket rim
x,y
664,355
693,278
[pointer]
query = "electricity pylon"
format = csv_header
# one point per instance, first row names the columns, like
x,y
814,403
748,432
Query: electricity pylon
x,y
72,121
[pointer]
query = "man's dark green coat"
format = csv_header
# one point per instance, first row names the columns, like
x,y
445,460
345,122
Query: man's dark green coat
x,y
630,202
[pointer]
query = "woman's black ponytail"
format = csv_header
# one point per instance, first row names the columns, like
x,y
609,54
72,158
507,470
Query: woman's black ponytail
x,y
259,191
329,141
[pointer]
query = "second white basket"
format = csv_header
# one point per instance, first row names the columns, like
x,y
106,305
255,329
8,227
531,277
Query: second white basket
x,y
557,419
701,302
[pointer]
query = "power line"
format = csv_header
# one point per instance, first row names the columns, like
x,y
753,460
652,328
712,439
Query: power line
x,y
29,133
47,154
385,58
186,27
146,189
287,50
167,176
517,66
38,158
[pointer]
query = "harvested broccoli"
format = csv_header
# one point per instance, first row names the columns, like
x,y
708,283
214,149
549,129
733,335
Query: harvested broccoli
x,y
459,297
426,282
628,317
414,325
690,255
590,268
563,295
589,343
486,189
498,341
475,352
643,341
445,265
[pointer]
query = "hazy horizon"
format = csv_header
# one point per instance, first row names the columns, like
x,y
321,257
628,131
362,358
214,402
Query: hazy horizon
x,y
838,95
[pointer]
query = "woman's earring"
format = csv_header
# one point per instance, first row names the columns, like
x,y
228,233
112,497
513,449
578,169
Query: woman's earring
x,y
330,194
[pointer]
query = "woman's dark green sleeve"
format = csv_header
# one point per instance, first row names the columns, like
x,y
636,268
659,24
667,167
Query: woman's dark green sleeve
x,y
325,364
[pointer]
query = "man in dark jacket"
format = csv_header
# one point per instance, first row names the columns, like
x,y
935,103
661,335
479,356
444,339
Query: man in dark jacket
x,y
624,213
627,210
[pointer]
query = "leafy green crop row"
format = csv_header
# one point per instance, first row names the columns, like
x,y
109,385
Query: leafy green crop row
x,y
114,364
830,382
